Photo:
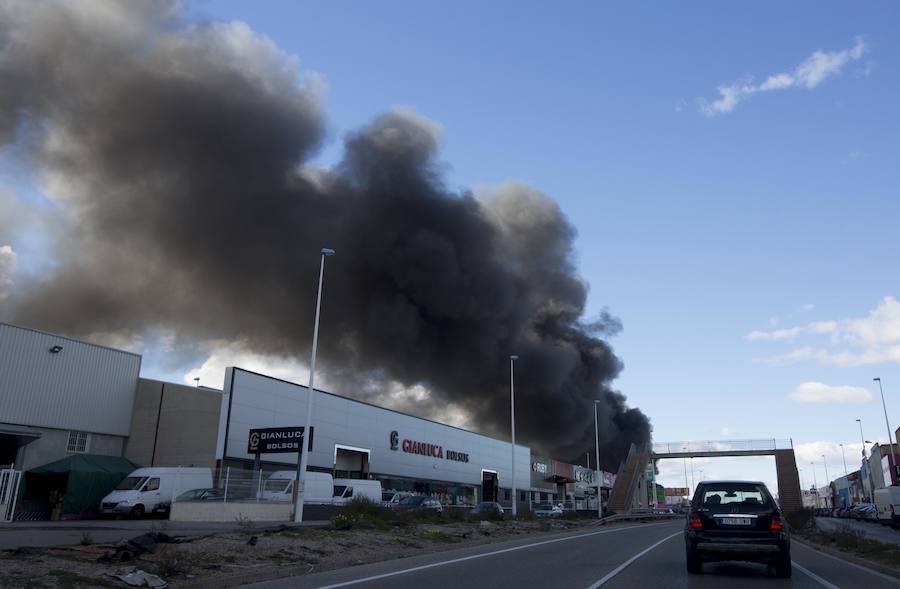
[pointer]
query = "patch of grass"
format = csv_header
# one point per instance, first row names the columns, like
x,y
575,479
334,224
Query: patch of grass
x,y
439,536
854,542
86,539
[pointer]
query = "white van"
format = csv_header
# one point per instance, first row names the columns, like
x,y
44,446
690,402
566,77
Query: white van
x,y
346,490
149,490
280,487
887,506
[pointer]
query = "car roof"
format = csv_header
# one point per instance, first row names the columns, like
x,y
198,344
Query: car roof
x,y
730,482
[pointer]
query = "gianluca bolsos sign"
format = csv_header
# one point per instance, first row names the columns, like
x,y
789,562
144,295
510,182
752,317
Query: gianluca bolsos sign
x,y
273,440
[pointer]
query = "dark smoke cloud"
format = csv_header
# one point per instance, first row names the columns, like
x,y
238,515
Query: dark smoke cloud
x,y
176,156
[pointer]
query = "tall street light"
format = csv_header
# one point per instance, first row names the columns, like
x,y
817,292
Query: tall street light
x,y
844,458
512,419
597,460
862,438
303,451
888,424
815,482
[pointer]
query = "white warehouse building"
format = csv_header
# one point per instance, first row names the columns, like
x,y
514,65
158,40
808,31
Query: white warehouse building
x,y
60,396
354,439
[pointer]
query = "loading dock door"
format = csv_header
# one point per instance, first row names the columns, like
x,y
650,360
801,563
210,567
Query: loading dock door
x,y
489,485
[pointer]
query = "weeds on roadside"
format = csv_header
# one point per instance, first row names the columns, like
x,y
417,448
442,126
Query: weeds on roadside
x,y
86,539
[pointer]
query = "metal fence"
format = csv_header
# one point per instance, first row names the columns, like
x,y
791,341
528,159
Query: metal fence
x,y
760,445
236,485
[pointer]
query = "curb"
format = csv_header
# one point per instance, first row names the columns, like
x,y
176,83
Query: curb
x,y
852,559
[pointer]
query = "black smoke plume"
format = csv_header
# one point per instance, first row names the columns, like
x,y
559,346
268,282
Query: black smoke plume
x,y
176,156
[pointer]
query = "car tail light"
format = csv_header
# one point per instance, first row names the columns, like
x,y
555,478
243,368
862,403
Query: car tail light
x,y
776,523
695,521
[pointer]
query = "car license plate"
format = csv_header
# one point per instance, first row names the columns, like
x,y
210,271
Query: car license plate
x,y
736,521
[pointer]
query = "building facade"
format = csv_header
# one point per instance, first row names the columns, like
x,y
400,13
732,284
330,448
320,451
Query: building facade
x,y
353,439
60,396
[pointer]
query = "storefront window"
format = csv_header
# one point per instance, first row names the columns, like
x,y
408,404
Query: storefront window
x,y
447,494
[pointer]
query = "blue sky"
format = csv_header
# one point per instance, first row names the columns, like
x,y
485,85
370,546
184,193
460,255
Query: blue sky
x,y
695,229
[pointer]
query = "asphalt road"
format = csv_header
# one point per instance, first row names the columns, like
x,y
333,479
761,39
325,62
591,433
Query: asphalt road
x,y
625,557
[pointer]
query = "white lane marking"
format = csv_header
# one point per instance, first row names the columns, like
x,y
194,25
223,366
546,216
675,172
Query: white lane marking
x,y
815,577
625,564
474,556
847,562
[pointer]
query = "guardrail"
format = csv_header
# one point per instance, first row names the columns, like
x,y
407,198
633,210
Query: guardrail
x,y
639,517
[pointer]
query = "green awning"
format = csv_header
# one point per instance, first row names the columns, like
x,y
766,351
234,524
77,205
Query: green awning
x,y
90,477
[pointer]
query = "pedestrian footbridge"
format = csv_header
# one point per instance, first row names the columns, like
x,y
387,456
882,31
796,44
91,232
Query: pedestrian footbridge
x,y
635,465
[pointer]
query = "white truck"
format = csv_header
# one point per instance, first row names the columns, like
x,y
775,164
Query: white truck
x,y
280,487
149,490
887,506
346,490
321,488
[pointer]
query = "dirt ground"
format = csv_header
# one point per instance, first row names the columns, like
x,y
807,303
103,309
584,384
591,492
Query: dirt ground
x,y
223,559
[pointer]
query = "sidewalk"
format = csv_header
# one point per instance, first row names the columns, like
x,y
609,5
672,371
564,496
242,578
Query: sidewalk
x,y
46,533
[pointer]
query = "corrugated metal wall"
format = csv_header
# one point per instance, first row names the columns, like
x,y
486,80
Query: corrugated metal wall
x,y
83,387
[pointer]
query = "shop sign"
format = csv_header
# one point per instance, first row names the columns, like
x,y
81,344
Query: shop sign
x,y
607,479
539,467
676,492
426,449
274,440
584,475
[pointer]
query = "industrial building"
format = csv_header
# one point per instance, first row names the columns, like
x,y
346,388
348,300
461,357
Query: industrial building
x,y
62,398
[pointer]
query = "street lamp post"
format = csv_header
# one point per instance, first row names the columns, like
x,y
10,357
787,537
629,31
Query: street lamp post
x,y
684,459
303,450
597,461
889,430
815,482
512,415
827,478
693,486
862,438
844,458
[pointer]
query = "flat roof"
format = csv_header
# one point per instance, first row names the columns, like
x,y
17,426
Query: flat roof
x,y
374,405
67,338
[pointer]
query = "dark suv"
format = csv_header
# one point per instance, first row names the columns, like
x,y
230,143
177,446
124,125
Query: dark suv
x,y
736,520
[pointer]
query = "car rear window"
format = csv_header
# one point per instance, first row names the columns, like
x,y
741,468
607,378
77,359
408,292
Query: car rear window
x,y
744,495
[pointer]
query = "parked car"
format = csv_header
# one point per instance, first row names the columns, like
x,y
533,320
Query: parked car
x,y
887,506
150,490
202,495
863,511
547,510
487,508
390,499
420,503
736,520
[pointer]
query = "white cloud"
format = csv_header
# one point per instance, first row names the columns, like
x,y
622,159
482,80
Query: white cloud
x,y
223,354
775,334
808,307
817,392
809,459
814,70
7,267
873,339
